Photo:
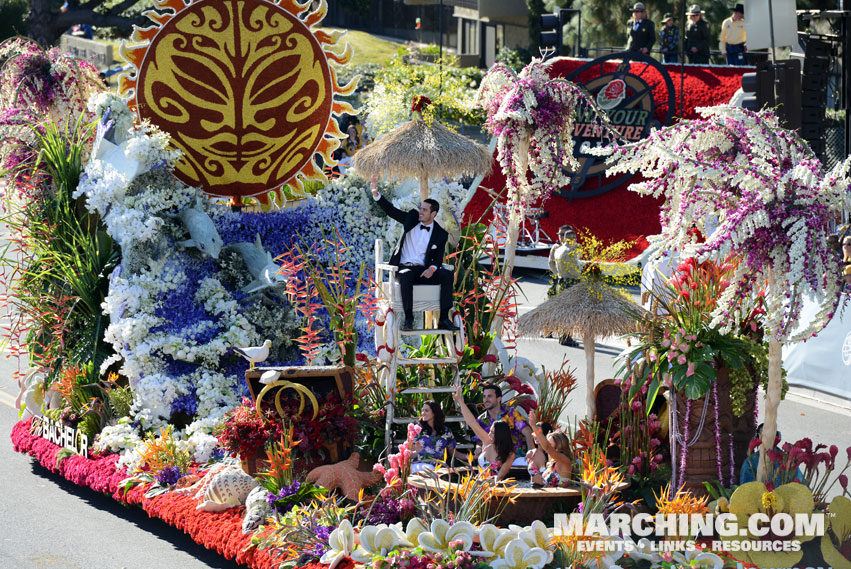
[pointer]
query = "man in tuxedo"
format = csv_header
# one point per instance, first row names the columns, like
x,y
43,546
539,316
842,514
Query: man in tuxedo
x,y
419,256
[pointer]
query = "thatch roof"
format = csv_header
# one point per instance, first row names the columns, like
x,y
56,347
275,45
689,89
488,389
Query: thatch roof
x,y
417,150
589,306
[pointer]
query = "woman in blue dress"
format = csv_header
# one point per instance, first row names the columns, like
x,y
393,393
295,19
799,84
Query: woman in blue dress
x,y
435,442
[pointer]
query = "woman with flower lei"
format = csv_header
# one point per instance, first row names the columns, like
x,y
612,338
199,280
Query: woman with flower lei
x,y
773,205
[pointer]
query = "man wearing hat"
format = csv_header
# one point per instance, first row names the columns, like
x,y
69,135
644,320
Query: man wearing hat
x,y
697,36
732,39
669,39
641,31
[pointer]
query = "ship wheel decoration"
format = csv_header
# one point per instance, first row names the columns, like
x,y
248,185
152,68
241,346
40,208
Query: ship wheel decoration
x,y
634,105
244,88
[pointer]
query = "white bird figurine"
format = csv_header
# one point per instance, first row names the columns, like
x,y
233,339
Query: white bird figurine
x,y
255,354
270,376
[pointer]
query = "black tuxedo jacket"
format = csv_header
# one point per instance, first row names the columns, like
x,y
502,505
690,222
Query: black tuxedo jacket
x,y
410,220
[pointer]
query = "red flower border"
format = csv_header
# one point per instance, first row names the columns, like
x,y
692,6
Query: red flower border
x,y
218,531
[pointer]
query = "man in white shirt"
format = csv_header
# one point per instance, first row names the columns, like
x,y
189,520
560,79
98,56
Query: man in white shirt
x,y
419,256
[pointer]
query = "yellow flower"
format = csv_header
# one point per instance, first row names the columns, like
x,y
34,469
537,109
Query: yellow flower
x,y
754,498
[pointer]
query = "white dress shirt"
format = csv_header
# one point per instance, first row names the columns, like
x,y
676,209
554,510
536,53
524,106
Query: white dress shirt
x,y
415,246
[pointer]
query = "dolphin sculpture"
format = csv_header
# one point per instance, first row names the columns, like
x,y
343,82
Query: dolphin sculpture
x,y
260,264
202,232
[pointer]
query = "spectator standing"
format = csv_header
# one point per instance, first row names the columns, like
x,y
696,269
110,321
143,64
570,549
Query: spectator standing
x,y
669,40
640,30
697,36
732,39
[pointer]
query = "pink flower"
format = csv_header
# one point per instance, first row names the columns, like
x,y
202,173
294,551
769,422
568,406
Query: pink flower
x,y
843,481
378,468
636,405
689,369
666,343
655,442
682,359
630,470
684,347
414,430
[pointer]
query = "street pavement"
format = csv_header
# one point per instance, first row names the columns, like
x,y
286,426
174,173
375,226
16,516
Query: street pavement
x,y
51,523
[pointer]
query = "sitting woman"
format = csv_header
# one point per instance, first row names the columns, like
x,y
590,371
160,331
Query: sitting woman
x,y
559,468
498,452
536,458
435,442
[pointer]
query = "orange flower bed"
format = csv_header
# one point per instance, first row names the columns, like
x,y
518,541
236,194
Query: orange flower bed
x,y
218,531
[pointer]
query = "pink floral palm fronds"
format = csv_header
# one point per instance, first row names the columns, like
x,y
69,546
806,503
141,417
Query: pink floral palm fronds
x,y
532,104
756,190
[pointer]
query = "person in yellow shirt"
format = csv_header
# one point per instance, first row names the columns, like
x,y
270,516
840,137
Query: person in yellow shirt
x,y
732,39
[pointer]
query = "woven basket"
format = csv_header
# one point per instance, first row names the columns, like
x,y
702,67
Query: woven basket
x,y
702,457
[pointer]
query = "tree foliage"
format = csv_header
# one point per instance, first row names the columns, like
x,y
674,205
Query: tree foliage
x,y
47,21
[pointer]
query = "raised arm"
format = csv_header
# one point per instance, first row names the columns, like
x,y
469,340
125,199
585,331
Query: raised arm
x,y
392,211
469,418
546,446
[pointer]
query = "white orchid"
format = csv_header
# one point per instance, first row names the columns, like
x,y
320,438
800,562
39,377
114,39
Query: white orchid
x,y
643,549
413,530
493,540
442,534
538,535
376,540
697,559
518,555
342,542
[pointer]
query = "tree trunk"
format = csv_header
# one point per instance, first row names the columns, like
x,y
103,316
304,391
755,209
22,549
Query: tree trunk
x,y
423,187
516,211
772,402
41,23
590,403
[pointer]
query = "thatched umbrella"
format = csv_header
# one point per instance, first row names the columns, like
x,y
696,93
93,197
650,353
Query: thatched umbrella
x,y
423,149
589,309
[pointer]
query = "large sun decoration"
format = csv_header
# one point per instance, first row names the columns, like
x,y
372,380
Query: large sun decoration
x,y
244,88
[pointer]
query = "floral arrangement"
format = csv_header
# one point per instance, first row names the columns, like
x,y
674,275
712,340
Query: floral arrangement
x,y
245,432
554,393
450,89
637,436
284,491
39,86
396,476
681,343
532,117
813,466
768,198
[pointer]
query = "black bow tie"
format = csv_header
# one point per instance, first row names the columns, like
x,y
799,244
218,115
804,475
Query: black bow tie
x,y
424,227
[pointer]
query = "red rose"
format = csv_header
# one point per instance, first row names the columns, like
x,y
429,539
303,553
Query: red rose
x,y
420,102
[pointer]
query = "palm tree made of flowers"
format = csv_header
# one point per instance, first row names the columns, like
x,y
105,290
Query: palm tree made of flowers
x,y
755,189
531,115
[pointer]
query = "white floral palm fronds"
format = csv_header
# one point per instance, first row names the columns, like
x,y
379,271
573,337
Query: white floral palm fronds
x,y
773,205
769,197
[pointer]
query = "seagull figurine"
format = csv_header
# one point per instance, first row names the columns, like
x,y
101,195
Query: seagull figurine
x,y
255,354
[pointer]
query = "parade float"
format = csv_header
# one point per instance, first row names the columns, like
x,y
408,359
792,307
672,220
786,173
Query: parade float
x,y
228,370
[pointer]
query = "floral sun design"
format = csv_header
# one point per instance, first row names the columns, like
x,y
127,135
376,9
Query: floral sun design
x,y
245,89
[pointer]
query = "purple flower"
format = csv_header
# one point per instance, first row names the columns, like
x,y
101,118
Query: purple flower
x,y
169,476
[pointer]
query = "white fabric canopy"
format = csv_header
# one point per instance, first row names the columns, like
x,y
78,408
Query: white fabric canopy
x,y
823,362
